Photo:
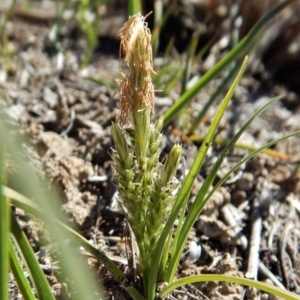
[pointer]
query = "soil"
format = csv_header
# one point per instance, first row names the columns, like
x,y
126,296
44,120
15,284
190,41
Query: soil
x,y
67,111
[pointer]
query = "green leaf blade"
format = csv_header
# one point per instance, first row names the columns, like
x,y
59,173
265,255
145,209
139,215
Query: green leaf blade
x,y
42,286
238,51
193,213
4,233
232,279
19,276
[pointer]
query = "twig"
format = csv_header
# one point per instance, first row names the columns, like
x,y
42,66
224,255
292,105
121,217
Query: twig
x,y
272,232
270,152
233,219
264,270
70,126
283,253
254,241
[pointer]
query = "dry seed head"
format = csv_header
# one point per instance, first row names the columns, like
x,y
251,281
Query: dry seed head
x,y
136,88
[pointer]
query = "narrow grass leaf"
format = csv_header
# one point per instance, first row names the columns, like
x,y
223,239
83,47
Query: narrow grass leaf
x,y
169,47
165,257
18,272
167,77
245,159
224,142
212,98
40,281
3,24
238,51
158,16
72,266
135,295
189,61
160,19
29,206
271,289
91,34
173,80
201,198
182,234
183,196
4,233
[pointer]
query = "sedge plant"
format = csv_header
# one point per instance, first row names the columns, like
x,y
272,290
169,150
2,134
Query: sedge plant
x,y
143,182
147,191
146,186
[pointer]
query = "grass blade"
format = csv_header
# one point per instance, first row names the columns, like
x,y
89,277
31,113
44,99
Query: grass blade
x,y
189,61
172,82
212,98
182,234
5,19
72,265
183,195
42,287
167,77
201,198
18,272
224,142
245,159
158,16
160,20
29,206
238,51
239,280
4,233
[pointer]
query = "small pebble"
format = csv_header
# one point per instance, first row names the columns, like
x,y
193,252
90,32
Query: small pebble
x,y
246,182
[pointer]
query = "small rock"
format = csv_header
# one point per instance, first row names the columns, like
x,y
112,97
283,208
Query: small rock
x,y
246,182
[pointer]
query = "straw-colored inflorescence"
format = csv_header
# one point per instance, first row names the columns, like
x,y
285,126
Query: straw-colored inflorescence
x,y
145,185
136,89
